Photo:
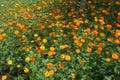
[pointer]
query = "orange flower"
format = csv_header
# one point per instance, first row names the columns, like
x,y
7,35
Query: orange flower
x,y
96,26
101,21
78,24
93,14
63,22
44,16
90,44
102,34
60,0
76,41
9,9
98,39
41,51
85,34
73,33
117,41
1,38
95,32
35,18
89,50
109,26
58,11
69,14
5,25
32,59
100,45
51,53
118,19
115,56
98,51
117,33
117,3
82,40
57,17
26,70
55,70
87,30
86,21
68,50
49,65
29,16
41,25
26,13
79,44
10,24
61,66
81,63
74,27
110,39
99,48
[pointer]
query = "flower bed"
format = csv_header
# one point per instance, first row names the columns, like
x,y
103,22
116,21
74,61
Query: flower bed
x,y
55,40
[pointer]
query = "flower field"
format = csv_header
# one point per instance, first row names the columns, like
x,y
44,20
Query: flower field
x,y
56,40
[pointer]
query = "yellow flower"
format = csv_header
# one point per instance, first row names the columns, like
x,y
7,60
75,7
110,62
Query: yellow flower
x,y
107,59
32,41
26,70
18,66
119,13
47,74
81,63
52,48
35,35
62,46
42,47
44,40
4,77
67,57
38,7
4,34
1,30
2,5
117,3
27,59
62,56
51,72
77,51
23,36
9,62
16,32
73,75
